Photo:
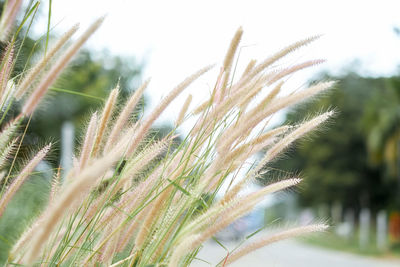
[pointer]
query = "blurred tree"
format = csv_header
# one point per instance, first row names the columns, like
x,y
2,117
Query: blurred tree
x,y
381,124
335,163
83,89
90,74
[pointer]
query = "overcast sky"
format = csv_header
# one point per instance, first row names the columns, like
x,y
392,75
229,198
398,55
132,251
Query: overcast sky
x,y
175,38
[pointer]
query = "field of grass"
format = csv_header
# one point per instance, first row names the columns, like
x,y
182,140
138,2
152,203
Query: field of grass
x,y
131,200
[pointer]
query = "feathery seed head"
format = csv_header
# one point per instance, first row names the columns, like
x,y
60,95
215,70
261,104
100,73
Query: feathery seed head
x,y
290,233
32,75
105,117
183,111
55,71
150,192
18,181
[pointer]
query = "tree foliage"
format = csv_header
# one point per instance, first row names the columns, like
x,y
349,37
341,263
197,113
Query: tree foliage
x,y
352,160
82,89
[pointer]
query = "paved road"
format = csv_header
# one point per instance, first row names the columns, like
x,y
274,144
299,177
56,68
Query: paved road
x,y
291,254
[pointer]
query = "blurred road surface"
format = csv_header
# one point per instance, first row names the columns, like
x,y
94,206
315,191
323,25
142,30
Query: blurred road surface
x,y
291,254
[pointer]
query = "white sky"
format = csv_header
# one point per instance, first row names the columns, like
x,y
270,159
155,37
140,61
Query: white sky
x,y
175,38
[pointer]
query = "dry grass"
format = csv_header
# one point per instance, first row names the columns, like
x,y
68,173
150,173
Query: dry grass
x,y
149,211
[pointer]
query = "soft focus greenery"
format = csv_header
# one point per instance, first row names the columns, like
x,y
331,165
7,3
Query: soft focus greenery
x,y
351,245
83,88
26,205
355,160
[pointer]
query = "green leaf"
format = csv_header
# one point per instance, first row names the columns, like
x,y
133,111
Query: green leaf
x,y
179,187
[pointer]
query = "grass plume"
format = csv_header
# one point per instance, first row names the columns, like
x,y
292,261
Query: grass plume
x,y
132,200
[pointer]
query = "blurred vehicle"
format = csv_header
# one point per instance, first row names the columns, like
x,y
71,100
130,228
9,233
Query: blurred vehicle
x,y
242,227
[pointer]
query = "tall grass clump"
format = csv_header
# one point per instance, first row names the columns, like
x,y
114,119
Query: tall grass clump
x,y
130,200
